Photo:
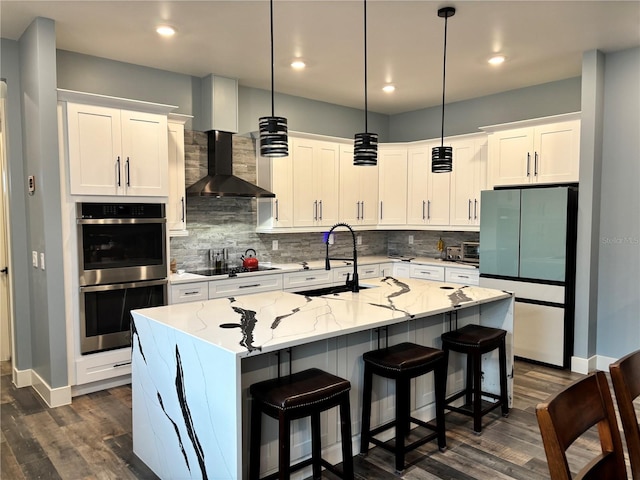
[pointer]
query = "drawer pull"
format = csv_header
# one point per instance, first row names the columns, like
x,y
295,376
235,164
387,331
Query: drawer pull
x,y
192,292
310,278
463,276
250,286
124,364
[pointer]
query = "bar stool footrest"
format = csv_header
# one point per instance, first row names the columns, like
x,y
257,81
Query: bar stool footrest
x,y
407,448
467,409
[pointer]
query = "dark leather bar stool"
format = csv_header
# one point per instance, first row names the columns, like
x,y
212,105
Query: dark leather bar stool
x,y
401,363
474,341
299,395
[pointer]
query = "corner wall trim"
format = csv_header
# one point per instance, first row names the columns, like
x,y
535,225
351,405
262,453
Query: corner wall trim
x,y
584,365
53,397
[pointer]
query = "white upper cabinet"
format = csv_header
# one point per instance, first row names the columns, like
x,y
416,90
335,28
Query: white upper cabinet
x,y
468,178
176,203
548,152
392,170
275,175
428,193
315,182
358,190
116,151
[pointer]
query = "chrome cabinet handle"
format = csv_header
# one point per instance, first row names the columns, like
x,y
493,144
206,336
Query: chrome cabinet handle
x,y
183,209
320,218
428,209
475,208
192,292
423,210
381,210
249,286
126,169
118,172
528,162
277,213
469,209
535,165
315,210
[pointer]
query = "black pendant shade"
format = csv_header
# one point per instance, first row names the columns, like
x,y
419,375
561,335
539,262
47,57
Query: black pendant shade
x,y
273,137
365,150
365,145
273,130
442,157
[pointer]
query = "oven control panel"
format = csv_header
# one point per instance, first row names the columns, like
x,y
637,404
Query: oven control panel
x,y
121,210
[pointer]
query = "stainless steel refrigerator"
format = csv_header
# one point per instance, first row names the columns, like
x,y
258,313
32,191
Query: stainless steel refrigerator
x,y
528,246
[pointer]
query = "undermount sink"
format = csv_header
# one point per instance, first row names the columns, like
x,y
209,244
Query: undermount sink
x,y
317,292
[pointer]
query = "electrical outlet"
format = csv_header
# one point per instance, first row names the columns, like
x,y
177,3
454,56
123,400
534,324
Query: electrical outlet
x,y
274,245
42,260
359,239
410,239
331,239
34,259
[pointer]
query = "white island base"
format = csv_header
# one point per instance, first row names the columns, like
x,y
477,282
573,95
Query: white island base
x,y
192,365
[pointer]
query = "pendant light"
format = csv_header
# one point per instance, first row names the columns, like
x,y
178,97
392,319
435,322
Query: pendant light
x,y
273,130
365,146
442,157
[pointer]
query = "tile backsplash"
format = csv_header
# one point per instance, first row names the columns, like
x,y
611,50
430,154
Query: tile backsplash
x,y
215,223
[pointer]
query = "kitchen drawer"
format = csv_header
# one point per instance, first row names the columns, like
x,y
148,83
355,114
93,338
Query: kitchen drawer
x,y
427,272
462,275
189,292
364,271
103,365
401,270
307,278
244,286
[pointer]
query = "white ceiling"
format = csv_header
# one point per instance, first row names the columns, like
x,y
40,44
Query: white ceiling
x,y
543,41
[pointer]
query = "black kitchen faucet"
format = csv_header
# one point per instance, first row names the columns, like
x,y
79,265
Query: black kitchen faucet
x,y
353,285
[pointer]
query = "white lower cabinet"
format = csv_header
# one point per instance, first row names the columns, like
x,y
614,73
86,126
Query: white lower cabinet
x,y
427,272
189,292
401,270
538,332
297,281
103,366
364,271
245,285
465,276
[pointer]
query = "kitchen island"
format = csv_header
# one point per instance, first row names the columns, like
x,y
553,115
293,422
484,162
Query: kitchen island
x,y
192,364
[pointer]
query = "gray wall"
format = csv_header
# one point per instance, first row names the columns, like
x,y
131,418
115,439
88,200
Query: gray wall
x,y
618,329
44,216
467,116
10,69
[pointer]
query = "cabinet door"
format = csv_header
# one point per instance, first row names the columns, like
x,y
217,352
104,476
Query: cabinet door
x,y
538,332
438,202
392,164
145,153
94,150
418,164
557,152
325,178
358,193
511,152
282,187
305,201
176,206
465,183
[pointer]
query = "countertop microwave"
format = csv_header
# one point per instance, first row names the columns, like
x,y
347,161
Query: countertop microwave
x,y
471,252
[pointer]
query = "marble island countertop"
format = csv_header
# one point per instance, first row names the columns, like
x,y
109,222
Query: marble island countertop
x,y
186,277
258,323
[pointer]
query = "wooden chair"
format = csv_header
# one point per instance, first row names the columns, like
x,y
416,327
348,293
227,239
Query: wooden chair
x,y
568,414
625,376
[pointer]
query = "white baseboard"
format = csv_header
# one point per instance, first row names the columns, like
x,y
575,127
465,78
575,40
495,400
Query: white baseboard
x,y
604,362
83,389
586,365
53,397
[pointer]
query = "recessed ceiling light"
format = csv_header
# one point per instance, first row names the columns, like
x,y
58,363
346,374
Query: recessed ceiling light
x,y
497,59
298,64
389,88
166,30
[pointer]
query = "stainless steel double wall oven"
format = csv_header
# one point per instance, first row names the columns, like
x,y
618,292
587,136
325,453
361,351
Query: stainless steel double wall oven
x,y
123,266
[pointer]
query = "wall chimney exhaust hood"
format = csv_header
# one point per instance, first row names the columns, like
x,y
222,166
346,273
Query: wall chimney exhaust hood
x,y
220,117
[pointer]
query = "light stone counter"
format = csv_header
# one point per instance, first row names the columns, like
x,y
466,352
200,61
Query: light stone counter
x,y
192,363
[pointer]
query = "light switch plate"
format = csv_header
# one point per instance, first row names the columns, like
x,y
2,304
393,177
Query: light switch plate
x,y
410,239
42,260
34,259
274,245
359,239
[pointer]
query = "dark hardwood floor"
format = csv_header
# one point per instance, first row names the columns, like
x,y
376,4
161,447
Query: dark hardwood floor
x,y
91,438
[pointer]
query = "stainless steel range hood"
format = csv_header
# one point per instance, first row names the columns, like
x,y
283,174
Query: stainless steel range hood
x,y
220,181
220,118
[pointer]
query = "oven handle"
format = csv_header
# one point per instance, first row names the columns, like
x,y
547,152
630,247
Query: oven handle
x,y
122,286
118,221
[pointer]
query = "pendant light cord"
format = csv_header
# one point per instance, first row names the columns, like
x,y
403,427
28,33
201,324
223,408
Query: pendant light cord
x,y
366,126
444,76
272,59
